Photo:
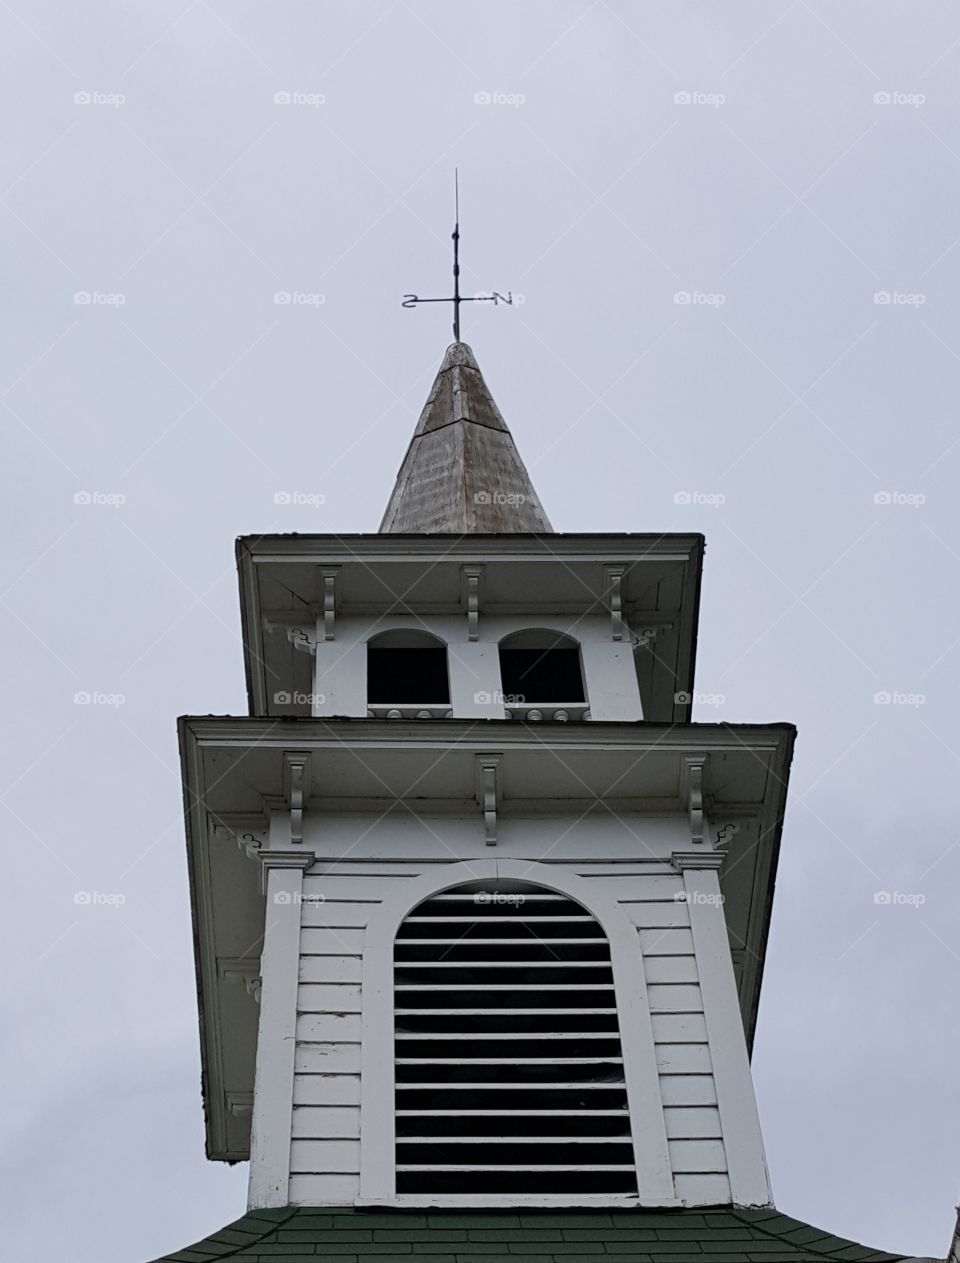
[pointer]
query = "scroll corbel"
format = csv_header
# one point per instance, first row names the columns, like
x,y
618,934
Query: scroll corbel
x,y
488,777
691,792
296,771
470,598
329,584
613,576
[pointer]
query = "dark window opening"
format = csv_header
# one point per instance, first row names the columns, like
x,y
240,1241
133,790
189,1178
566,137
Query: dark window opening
x,y
544,673
407,674
509,1067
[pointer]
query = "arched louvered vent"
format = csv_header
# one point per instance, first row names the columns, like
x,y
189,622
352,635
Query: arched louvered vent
x,y
509,1069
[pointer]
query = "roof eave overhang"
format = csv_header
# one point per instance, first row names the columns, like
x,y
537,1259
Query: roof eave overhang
x,y
260,557
246,741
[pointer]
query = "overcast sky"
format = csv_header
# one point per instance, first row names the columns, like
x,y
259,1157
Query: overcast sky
x,y
157,399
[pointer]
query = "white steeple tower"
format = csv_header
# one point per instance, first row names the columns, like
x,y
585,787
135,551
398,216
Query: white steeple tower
x,y
503,907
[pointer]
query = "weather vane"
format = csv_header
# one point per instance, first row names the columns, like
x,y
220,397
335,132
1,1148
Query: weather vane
x,y
412,300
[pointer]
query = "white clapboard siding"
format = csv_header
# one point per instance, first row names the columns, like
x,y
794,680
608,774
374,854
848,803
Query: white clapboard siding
x,y
679,1028
697,1155
687,1089
634,887
330,969
324,1190
326,1089
329,1028
692,1123
336,997
336,912
703,1190
370,889
334,1122
670,969
666,942
330,941
683,1059
317,942
326,1058
335,1157
662,915
671,999
312,1032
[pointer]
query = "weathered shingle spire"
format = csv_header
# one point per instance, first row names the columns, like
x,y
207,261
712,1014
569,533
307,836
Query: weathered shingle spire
x,y
462,471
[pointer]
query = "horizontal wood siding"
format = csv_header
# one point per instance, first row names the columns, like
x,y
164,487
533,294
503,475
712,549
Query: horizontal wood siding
x,y
328,1122
684,1062
324,1190
339,900
703,1189
325,1145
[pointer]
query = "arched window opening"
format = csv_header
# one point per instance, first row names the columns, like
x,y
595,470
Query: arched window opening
x,y
407,671
509,1066
542,669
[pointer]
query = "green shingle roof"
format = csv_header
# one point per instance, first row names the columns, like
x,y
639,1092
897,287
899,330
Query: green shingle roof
x,y
685,1236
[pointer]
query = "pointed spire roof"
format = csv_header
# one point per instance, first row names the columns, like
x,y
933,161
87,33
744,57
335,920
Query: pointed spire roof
x,y
462,472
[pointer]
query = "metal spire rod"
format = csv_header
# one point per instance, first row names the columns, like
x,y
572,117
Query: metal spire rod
x,y
413,300
456,254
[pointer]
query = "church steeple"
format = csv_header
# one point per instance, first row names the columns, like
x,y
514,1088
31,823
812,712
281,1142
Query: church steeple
x,y
462,472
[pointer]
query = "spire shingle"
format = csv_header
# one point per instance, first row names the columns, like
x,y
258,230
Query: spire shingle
x,y
462,472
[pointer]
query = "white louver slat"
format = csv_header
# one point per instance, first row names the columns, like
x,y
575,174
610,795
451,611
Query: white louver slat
x,y
546,1112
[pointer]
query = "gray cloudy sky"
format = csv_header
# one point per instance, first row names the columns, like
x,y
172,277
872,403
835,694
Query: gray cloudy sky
x,y
147,168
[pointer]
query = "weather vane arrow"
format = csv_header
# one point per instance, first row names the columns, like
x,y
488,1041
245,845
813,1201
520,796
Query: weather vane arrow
x,y
413,300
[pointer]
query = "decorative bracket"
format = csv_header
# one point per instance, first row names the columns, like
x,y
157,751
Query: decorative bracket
x,y
245,969
248,831
303,638
488,793
691,793
329,591
471,577
296,787
613,579
725,835
240,1104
